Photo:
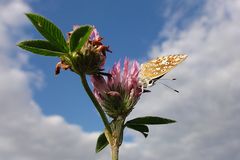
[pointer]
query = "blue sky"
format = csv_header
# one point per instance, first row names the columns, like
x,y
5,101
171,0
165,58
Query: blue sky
x,y
43,117
129,27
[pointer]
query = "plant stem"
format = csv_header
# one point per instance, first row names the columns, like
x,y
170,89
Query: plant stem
x,y
95,102
117,136
115,151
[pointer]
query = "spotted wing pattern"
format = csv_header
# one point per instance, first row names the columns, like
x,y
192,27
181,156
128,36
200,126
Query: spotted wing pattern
x,y
158,67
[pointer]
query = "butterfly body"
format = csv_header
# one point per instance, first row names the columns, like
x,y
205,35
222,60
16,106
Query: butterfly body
x,y
154,69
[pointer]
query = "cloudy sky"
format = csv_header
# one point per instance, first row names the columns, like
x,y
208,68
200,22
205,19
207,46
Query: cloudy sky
x,y
39,122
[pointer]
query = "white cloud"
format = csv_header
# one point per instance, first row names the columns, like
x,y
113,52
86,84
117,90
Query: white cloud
x,y
207,108
25,133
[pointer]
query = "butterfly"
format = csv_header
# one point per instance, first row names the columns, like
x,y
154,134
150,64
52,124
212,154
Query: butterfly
x,y
155,69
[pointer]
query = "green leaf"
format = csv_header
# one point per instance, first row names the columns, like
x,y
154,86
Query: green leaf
x,y
48,30
140,128
41,47
150,120
79,37
101,143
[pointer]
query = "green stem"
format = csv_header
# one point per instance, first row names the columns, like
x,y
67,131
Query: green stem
x,y
95,102
117,136
115,152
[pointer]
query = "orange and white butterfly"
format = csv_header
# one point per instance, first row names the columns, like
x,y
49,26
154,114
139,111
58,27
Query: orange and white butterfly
x,y
154,69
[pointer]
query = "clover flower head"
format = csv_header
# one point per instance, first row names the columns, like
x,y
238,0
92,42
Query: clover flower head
x,y
118,93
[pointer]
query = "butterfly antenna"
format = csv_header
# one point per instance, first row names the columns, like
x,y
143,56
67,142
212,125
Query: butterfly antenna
x,y
169,87
168,79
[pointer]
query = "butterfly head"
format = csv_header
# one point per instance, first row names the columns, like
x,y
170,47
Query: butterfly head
x,y
146,82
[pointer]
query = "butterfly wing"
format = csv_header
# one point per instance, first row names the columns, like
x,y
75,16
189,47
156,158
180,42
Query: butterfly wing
x,y
156,68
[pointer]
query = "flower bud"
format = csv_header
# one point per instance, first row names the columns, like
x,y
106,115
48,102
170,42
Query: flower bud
x,y
89,59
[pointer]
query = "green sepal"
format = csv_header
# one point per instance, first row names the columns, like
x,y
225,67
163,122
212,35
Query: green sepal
x,y
40,47
48,30
150,120
79,37
101,143
140,128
